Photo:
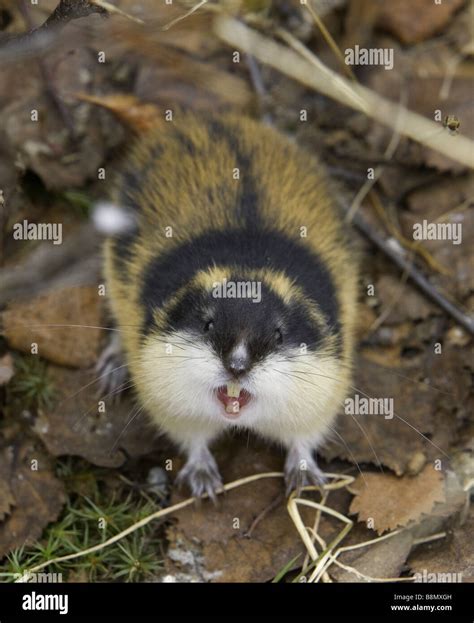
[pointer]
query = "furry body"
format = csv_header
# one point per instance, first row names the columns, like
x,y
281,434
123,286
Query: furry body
x,y
218,200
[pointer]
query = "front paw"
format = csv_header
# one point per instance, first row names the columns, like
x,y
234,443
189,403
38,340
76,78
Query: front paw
x,y
202,477
302,472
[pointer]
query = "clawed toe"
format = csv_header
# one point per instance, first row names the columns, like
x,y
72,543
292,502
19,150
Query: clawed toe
x,y
202,479
302,473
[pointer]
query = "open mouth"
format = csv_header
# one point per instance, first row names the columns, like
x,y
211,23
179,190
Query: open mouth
x,y
233,397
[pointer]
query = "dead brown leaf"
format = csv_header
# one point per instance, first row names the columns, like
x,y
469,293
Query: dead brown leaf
x,y
432,400
228,554
372,438
186,65
37,496
451,201
454,555
428,80
412,21
76,427
139,116
385,559
48,267
401,301
27,323
391,502
44,146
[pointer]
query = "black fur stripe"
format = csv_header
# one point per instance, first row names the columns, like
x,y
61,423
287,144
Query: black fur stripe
x,y
130,186
240,248
123,252
249,197
240,316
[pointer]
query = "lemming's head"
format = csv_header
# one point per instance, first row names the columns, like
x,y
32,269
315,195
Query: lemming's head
x,y
240,346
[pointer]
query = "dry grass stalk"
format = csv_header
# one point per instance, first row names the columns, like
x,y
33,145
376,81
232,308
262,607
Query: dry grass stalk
x,y
306,68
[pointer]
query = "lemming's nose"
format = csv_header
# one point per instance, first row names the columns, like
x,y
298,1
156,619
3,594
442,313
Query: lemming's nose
x,y
237,362
237,367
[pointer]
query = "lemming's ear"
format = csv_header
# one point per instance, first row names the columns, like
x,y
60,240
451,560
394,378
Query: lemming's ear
x,y
111,219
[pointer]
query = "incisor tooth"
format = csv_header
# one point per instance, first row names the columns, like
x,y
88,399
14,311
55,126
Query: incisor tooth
x,y
232,407
233,389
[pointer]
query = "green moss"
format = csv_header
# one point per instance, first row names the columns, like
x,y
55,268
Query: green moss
x,y
30,387
106,507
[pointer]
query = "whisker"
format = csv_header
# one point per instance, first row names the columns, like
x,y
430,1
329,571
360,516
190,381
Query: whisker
x,y
78,326
357,389
364,432
178,357
389,370
407,423
123,387
173,341
335,432
129,422
91,383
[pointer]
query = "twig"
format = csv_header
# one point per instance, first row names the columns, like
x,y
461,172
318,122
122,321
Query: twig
x,y
111,8
146,520
339,481
308,69
262,515
257,81
47,78
368,578
368,186
330,41
360,98
428,539
388,154
320,563
187,14
411,245
333,558
68,10
35,40
414,274
314,74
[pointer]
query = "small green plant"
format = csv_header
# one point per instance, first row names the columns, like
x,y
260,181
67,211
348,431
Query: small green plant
x,y
88,520
280,576
31,386
79,202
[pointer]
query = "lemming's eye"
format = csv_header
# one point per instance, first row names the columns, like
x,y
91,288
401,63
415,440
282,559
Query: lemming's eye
x,y
278,336
209,326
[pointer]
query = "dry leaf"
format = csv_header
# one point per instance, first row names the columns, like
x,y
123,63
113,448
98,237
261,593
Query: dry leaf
x,y
453,555
412,21
402,299
228,555
38,496
381,560
139,116
45,147
75,427
391,502
48,267
431,401
27,323
369,438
